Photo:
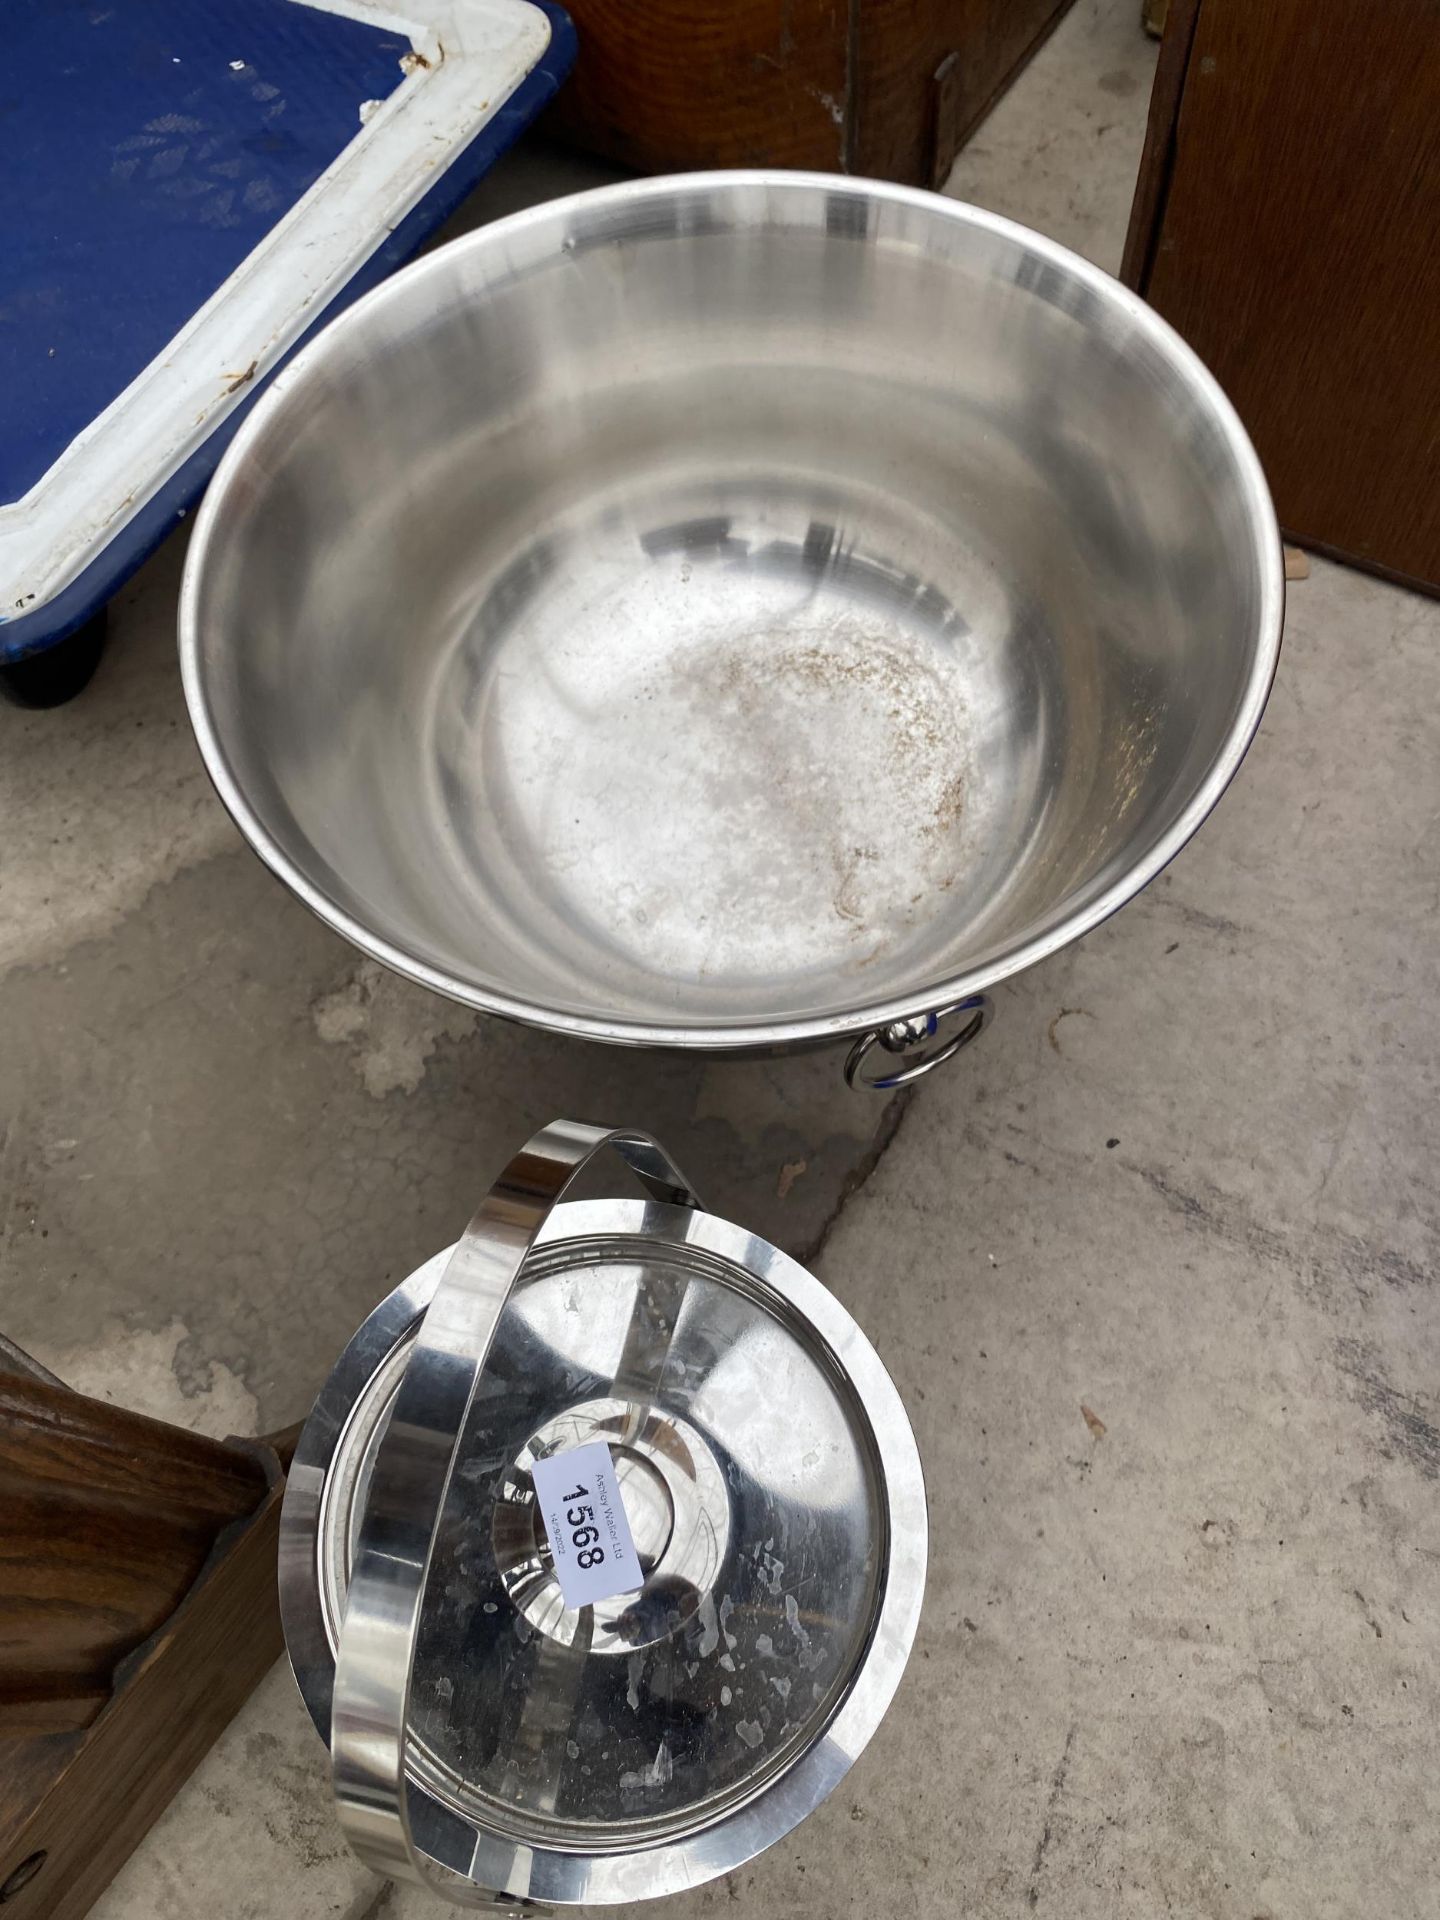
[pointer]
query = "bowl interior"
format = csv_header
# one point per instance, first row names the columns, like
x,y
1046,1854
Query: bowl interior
x,y
729,604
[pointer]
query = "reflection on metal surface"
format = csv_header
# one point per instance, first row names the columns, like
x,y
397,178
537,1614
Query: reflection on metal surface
x,y
675,1501
770,1479
732,610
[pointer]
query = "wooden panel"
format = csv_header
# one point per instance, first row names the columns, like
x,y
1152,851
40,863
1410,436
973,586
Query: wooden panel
x,y
53,1436
661,84
842,85
1296,251
929,71
1157,160
86,1800
108,1519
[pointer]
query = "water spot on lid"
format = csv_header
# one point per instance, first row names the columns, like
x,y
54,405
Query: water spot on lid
x,y
709,1626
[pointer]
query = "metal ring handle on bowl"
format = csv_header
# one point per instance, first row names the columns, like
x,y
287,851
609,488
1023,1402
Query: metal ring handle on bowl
x,y
411,1477
903,1036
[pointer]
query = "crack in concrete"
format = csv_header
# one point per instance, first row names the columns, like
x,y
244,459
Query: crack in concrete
x,y
896,1109
376,1904
1314,1255
1042,1845
1413,1434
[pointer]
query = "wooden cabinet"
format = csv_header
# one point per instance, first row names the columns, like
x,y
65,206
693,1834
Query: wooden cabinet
x,y
138,1608
873,87
1286,224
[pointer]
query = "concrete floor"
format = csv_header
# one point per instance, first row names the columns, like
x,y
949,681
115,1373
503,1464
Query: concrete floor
x,y
1182,1656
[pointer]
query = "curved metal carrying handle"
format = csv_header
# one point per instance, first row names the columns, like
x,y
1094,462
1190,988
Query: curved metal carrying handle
x,y
411,1477
903,1036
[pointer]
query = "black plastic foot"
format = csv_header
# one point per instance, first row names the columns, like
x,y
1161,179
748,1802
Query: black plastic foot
x,y
50,678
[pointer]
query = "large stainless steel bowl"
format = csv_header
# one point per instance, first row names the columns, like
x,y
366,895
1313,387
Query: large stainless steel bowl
x,y
731,610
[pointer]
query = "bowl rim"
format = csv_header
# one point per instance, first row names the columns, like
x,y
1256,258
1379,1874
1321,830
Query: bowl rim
x,y
728,1036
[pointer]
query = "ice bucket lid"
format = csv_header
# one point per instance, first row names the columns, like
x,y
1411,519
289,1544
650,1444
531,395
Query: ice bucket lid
x,y
654,1739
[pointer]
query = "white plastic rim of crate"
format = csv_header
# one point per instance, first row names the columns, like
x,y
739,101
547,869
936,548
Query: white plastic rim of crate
x,y
475,53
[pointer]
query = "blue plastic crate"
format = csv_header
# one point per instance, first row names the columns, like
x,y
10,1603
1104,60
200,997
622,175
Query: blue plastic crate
x,y
187,193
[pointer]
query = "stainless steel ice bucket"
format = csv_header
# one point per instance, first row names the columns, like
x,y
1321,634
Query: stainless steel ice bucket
x,y
732,611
